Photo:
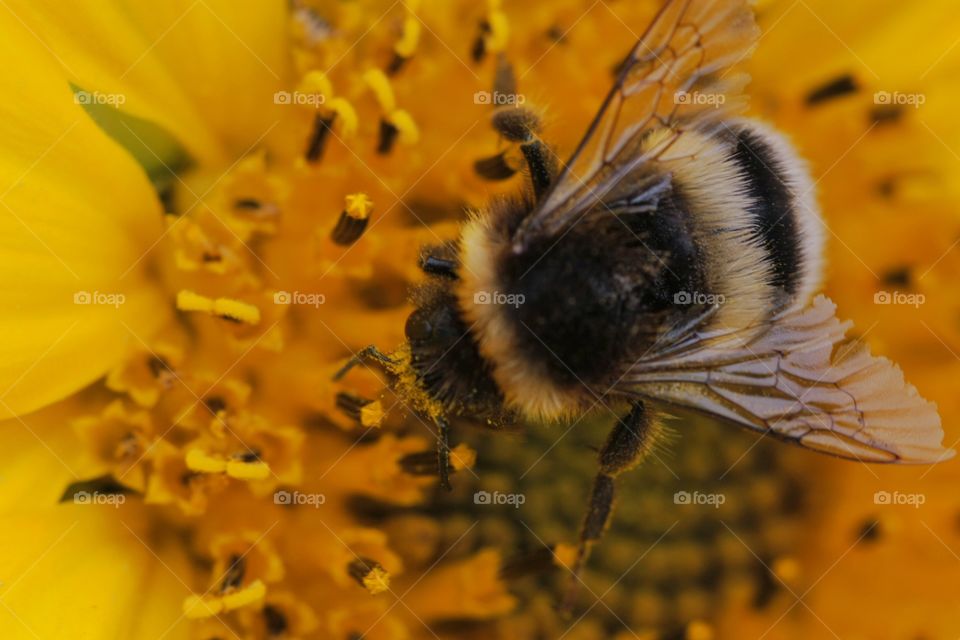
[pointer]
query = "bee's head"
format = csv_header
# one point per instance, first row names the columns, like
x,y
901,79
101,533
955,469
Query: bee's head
x,y
445,358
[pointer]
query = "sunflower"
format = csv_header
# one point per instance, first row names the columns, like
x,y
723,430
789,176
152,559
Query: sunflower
x,y
208,206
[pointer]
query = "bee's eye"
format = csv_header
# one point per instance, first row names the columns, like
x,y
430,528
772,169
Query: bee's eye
x,y
419,327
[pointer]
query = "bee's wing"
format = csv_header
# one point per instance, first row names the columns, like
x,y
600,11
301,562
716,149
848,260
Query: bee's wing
x,y
799,378
686,52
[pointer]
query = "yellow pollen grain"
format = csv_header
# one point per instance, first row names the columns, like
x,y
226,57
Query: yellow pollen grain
x,y
241,470
346,115
197,460
254,592
377,581
787,569
565,555
196,607
358,206
463,457
372,414
403,121
382,91
222,307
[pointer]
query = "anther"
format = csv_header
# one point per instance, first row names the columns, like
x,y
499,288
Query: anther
x,y
370,575
397,125
233,578
224,308
495,168
161,371
274,621
353,219
422,463
322,124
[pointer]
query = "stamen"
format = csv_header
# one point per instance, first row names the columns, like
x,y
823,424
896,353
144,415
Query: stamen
x,y
162,371
494,168
196,607
199,461
424,463
388,135
251,594
398,125
379,84
479,50
421,463
242,470
274,621
234,575
220,307
409,39
368,413
353,219
346,116
322,124
370,575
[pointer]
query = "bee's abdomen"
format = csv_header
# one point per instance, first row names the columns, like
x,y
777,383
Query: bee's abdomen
x,y
781,212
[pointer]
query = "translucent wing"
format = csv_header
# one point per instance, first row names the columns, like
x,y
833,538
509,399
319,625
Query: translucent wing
x,y
799,378
676,77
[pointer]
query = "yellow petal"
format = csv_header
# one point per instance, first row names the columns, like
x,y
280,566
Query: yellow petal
x,y
74,571
206,70
77,217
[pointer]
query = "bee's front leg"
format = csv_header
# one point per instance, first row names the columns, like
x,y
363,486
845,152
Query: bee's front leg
x,y
629,442
370,352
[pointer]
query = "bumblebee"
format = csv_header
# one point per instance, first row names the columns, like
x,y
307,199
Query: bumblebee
x,y
672,261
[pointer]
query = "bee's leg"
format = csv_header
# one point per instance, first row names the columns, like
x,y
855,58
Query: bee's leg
x,y
370,352
443,452
629,442
542,165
